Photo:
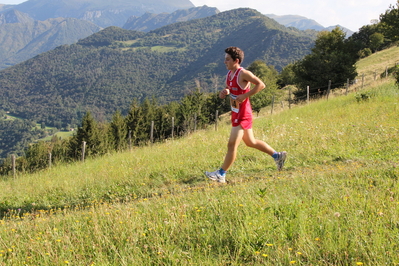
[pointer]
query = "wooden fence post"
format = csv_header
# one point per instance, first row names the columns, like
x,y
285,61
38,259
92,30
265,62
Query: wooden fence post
x,y
173,126
329,88
83,150
272,104
195,122
347,86
130,140
386,72
13,165
307,94
49,160
152,132
362,80
289,97
216,120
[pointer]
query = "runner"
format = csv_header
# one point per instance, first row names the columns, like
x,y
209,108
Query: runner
x,y
238,87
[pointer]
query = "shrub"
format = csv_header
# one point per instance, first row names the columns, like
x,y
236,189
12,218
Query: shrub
x,y
396,74
365,52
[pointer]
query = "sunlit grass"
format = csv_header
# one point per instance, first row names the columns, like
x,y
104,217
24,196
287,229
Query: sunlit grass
x,y
335,203
378,62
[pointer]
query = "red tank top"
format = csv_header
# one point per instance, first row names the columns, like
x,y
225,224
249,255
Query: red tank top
x,y
239,111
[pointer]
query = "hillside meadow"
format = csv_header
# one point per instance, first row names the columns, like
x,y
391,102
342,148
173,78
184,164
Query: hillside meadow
x,y
335,203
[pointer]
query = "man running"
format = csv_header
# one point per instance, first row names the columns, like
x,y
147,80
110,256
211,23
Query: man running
x,y
238,87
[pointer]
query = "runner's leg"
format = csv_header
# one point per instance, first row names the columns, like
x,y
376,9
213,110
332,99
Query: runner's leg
x,y
235,138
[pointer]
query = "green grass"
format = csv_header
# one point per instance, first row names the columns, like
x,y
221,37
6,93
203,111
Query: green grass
x,y
335,203
59,134
12,117
378,62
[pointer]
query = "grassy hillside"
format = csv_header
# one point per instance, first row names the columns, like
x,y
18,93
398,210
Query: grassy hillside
x,y
336,202
378,62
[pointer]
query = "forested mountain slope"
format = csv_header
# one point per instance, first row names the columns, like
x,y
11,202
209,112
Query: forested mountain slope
x,y
107,70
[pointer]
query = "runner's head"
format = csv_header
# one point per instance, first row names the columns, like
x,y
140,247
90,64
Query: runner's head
x,y
235,53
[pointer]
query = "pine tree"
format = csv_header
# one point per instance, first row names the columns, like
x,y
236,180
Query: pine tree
x,y
135,121
88,132
118,131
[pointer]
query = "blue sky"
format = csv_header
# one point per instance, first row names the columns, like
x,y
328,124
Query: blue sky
x,y
352,14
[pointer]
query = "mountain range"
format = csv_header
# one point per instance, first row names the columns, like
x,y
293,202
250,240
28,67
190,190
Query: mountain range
x,y
65,57
107,70
104,13
303,23
37,26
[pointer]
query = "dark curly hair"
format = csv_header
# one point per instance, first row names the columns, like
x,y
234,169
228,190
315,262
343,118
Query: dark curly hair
x,y
235,53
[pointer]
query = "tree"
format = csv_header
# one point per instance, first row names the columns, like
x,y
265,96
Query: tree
x,y
361,39
37,156
135,121
90,133
192,106
389,22
376,40
269,76
286,77
396,75
118,131
333,58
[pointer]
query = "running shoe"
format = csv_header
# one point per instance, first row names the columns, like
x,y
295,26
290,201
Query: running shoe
x,y
216,176
280,160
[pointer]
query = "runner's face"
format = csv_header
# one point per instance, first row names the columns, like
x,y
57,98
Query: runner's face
x,y
229,62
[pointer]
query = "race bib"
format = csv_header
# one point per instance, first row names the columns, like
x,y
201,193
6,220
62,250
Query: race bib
x,y
235,105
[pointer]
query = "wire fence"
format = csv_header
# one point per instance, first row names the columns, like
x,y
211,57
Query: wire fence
x,y
362,81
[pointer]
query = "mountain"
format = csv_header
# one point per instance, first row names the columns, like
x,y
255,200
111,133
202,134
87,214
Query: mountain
x,y
14,16
150,21
298,22
107,70
37,26
101,12
304,23
5,7
21,37
346,30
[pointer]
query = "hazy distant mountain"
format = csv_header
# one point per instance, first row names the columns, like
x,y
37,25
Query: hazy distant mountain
x,y
150,21
21,37
101,12
5,7
14,16
303,23
347,31
298,22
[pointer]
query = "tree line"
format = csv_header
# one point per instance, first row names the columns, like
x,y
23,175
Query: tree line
x,y
106,137
196,110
